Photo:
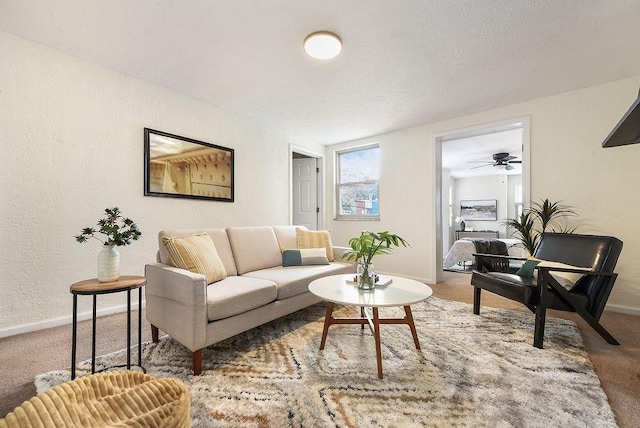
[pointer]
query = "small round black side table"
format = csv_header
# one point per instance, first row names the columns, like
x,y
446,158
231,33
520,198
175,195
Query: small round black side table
x,y
93,287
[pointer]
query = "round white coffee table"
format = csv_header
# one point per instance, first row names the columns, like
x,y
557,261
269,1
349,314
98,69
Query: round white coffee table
x,y
400,292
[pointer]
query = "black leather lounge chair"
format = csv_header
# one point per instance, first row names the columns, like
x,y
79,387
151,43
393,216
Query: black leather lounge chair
x,y
587,297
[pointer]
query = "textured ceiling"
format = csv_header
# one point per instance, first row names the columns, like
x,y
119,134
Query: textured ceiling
x,y
471,156
404,62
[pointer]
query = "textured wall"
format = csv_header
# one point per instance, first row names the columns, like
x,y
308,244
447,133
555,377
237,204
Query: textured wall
x,y
71,144
488,187
71,135
568,163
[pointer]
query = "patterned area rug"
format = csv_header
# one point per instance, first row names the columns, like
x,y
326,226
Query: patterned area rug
x,y
471,371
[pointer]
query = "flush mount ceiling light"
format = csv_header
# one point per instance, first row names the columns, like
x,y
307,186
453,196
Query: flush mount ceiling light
x,y
322,45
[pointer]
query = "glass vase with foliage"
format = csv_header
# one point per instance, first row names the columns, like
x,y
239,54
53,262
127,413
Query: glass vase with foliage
x,y
365,247
543,216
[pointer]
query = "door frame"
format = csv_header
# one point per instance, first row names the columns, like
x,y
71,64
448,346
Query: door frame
x,y
320,195
437,140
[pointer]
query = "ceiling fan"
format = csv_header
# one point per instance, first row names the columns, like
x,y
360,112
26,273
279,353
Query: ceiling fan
x,y
500,159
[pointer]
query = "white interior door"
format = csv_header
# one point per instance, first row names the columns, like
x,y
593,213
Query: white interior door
x,y
305,192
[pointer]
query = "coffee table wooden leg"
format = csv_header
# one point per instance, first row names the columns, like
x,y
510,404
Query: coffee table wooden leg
x,y
412,326
376,334
362,315
327,323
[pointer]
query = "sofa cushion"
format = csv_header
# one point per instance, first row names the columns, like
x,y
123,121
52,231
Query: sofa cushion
x,y
294,280
254,248
305,257
235,295
196,254
315,239
286,236
218,236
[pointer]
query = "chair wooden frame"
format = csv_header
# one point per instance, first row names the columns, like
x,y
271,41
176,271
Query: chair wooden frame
x,y
546,292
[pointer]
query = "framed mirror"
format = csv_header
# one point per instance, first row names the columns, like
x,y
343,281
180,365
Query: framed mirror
x,y
181,167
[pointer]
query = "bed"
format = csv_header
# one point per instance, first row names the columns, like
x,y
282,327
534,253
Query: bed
x,y
463,249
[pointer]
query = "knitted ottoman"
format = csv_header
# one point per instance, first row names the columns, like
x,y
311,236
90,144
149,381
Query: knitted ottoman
x,y
120,398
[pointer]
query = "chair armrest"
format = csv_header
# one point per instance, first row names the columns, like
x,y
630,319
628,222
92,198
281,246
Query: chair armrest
x,y
175,284
500,256
570,270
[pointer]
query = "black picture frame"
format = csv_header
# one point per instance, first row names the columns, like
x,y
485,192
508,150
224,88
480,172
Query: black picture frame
x,y
479,209
181,167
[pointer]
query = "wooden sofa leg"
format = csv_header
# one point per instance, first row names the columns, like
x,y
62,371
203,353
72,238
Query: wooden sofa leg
x,y
476,300
197,362
154,333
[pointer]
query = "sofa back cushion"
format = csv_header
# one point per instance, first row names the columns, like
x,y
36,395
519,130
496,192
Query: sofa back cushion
x,y
218,236
287,236
254,248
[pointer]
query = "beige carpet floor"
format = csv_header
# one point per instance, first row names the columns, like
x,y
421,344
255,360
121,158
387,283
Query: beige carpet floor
x,y
24,356
471,371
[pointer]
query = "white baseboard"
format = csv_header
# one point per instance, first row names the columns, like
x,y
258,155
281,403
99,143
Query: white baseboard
x,y
623,309
426,281
55,322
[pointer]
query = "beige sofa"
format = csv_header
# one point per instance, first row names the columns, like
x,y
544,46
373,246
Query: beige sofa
x,y
257,288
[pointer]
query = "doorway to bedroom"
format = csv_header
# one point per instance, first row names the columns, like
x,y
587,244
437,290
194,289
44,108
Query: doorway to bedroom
x,y
484,180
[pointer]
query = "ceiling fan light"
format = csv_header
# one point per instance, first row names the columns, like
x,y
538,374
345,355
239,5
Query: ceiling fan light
x,y
322,45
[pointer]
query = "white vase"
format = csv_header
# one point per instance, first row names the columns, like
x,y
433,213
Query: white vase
x,y
108,264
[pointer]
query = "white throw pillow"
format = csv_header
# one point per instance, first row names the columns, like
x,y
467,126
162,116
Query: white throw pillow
x,y
565,279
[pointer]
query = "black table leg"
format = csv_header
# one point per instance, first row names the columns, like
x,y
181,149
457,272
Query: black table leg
x,y
93,287
73,336
93,338
129,329
140,327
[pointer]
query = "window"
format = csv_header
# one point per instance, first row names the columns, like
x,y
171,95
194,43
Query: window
x,y
518,200
450,206
358,175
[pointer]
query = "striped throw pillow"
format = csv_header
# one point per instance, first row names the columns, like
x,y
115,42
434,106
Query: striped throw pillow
x,y
196,254
315,239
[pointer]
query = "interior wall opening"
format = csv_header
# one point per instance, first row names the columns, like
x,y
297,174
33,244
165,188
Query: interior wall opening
x,y
483,179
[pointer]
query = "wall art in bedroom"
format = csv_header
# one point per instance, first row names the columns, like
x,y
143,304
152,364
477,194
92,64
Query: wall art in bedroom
x,y
182,167
479,209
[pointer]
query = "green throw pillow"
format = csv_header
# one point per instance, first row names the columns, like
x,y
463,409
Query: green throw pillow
x,y
526,271
305,257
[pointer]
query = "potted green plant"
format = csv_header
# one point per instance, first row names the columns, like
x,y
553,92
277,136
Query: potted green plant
x,y
364,247
118,231
543,216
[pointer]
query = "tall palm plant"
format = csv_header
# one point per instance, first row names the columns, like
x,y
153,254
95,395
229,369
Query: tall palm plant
x,y
544,216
